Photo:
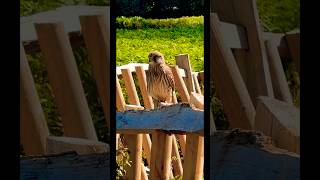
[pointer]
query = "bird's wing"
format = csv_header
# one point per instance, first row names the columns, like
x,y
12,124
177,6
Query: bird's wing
x,y
169,76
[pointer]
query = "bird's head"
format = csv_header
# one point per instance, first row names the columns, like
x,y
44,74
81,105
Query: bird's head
x,y
156,57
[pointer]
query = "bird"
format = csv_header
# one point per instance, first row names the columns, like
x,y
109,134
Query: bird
x,y
160,81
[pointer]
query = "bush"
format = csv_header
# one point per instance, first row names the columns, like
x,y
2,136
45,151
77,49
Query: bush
x,y
141,23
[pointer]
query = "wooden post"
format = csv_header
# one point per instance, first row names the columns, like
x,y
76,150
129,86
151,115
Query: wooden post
x,y
176,161
147,99
161,156
180,85
278,77
34,130
134,142
193,161
182,60
95,34
228,81
65,80
121,104
245,13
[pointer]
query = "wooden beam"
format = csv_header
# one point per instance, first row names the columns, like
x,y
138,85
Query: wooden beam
x,y
66,166
57,145
174,118
180,85
245,14
228,81
65,80
281,121
97,40
160,167
278,77
183,61
197,100
34,129
235,36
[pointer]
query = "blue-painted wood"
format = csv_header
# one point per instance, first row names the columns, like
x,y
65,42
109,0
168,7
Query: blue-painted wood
x,y
179,117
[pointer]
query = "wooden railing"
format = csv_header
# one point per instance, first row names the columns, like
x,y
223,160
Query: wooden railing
x,y
164,158
248,76
79,132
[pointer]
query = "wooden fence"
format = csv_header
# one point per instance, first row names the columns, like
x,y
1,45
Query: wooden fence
x,y
79,132
161,149
247,72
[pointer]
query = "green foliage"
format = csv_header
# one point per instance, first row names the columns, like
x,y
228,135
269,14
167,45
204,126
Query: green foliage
x,y
279,15
134,45
123,161
137,22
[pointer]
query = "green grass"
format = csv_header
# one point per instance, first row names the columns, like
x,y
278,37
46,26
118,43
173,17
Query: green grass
x,y
134,45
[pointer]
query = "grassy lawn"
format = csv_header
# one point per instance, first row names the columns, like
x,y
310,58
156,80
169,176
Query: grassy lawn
x,y
134,45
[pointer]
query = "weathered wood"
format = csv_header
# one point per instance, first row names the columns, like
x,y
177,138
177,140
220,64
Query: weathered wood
x,y
278,77
64,77
249,155
234,35
293,41
180,85
228,81
120,102
281,121
193,160
196,83
67,15
130,86
134,145
176,160
182,142
34,130
160,167
147,99
132,68
97,39
183,61
197,100
245,14
174,118
57,145
65,167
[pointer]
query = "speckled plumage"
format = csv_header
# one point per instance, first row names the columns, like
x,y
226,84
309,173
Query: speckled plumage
x,y
160,82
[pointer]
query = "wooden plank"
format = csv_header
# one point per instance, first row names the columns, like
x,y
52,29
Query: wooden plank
x,y
235,36
134,145
228,81
182,142
67,15
57,145
193,160
134,142
131,87
183,61
120,103
293,41
176,160
281,121
245,14
34,130
64,77
65,167
147,99
174,118
97,40
278,77
197,100
242,155
147,145
196,83
180,85
160,167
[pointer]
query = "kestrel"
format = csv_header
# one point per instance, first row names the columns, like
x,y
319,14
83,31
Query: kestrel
x,y
160,82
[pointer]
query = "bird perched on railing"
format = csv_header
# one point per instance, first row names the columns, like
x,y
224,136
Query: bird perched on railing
x,y
160,81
